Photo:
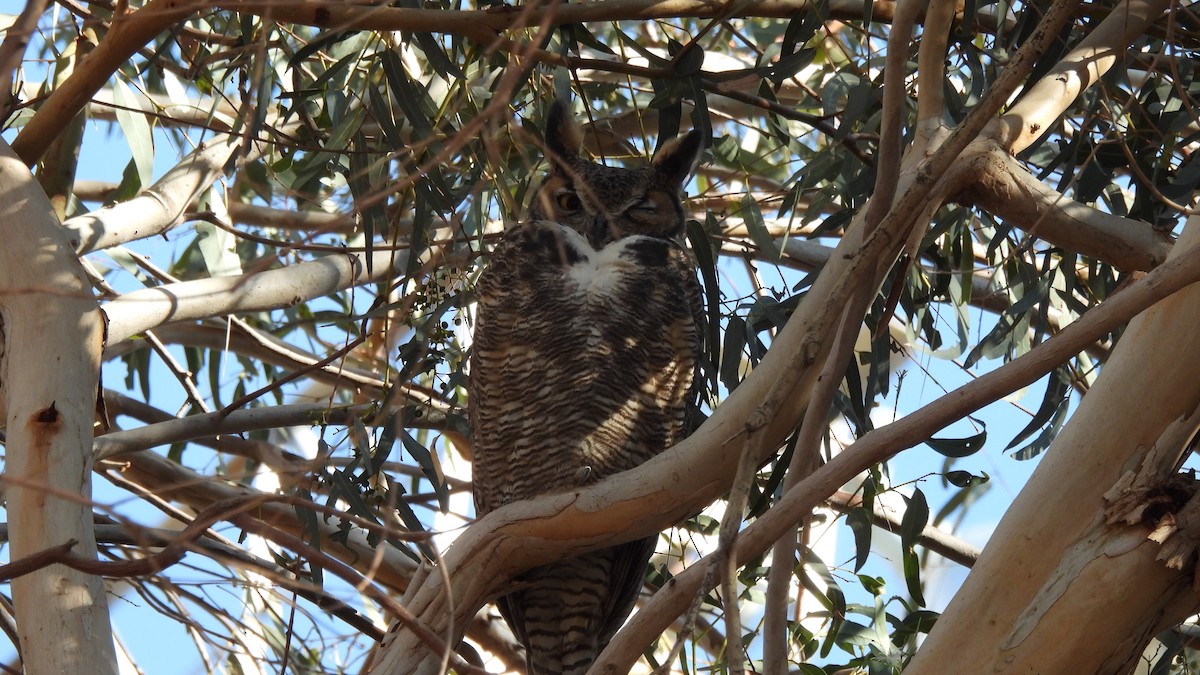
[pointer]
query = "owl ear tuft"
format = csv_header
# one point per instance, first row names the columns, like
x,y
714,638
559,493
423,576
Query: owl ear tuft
x,y
677,158
564,139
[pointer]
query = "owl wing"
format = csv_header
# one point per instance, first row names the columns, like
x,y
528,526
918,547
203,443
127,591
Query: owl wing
x,y
522,364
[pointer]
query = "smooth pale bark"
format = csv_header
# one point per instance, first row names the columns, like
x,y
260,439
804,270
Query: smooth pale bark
x,y
160,207
49,369
1056,590
1000,185
149,308
1039,108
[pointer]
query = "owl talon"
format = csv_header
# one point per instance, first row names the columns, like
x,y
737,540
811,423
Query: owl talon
x,y
583,474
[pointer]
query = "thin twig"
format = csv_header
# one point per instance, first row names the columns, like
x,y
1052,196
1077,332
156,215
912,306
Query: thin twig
x,y
182,375
891,121
296,374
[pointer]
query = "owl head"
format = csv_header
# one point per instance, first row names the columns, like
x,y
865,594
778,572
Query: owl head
x,y
605,203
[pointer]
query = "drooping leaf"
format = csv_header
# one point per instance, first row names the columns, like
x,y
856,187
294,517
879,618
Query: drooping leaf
x,y
965,479
136,129
912,525
752,215
861,523
1057,390
430,466
959,447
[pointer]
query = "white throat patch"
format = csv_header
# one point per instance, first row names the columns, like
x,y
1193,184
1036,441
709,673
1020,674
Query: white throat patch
x,y
599,272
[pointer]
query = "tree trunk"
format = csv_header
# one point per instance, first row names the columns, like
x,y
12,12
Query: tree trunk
x,y
1058,590
52,334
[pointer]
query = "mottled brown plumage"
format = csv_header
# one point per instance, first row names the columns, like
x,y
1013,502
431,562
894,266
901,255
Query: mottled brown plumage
x,y
586,344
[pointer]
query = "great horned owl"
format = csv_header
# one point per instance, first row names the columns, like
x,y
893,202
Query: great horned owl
x,y
585,350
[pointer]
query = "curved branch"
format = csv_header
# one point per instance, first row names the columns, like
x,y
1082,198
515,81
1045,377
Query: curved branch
x,y
193,427
1036,111
767,406
891,124
140,310
806,457
268,454
158,208
1002,187
1055,531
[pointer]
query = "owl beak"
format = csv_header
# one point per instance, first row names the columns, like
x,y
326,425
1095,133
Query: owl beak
x,y
600,232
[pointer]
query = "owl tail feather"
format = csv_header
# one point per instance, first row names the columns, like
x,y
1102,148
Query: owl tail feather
x,y
569,611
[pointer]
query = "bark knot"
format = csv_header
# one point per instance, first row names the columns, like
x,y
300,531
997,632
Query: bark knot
x,y
48,415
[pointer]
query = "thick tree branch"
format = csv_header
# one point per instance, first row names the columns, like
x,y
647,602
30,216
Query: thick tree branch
x,y
805,459
767,405
1002,187
1038,109
158,208
512,540
969,165
891,124
193,427
885,442
137,311
261,346
931,62
1055,532
268,454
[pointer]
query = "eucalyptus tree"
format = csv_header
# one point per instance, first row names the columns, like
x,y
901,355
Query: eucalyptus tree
x,y
232,366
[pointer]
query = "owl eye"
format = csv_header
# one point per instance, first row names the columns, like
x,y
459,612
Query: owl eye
x,y
645,205
567,200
